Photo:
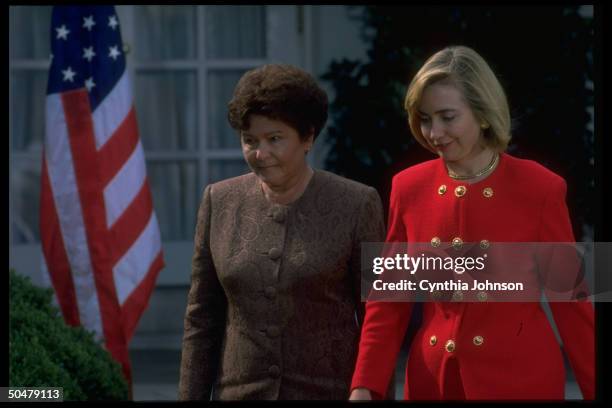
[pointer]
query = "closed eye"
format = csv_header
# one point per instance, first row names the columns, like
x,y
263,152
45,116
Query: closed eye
x,y
248,141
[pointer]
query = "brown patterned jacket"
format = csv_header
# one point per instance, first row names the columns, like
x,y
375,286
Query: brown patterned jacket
x,y
274,302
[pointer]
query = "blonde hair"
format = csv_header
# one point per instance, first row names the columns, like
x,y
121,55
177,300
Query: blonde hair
x,y
469,72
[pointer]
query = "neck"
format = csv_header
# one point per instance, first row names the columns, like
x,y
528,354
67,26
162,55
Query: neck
x,y
290,191
473,164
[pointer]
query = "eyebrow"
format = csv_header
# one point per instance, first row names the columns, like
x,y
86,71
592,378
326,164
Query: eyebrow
x,y
244,133
438,111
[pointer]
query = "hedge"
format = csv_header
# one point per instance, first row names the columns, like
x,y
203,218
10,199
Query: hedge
x,y
45,352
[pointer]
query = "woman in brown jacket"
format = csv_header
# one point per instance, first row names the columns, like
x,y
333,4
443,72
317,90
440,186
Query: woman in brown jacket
x,y
274,307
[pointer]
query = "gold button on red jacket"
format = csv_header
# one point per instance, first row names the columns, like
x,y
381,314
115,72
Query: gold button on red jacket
x,y
521,357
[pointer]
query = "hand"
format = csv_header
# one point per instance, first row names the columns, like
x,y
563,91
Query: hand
x,y
360,394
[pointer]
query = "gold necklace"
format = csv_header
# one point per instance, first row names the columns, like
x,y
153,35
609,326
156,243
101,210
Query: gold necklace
x,y
482,172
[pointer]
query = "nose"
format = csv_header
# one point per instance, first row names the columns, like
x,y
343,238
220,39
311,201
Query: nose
x,y
435,132
262,153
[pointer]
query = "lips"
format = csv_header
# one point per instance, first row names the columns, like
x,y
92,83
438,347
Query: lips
x,y
442,146
266,167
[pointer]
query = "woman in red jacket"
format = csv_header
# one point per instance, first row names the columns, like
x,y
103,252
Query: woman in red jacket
x,y
474,192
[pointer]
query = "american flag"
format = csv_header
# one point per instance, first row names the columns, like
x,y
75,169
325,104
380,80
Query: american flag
x,y
100,236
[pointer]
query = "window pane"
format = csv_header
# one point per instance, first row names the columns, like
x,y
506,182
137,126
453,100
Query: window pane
x,y
30,27
175,197
27,124
25,192
220,89
166,106
235,31
223,169
165,32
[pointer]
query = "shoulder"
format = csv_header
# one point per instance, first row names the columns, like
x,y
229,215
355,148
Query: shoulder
x,y
232,186
332,191
349,198
535,176
416,175
331,181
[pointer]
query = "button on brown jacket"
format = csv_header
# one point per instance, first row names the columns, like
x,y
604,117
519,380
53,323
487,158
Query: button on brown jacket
x,y
274,303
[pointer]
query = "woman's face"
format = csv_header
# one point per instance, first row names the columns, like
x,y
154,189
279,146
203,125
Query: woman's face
x,y
448,124
274,150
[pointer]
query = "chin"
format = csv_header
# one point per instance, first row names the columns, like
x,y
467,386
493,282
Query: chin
x,y
448,157
272,180
452,155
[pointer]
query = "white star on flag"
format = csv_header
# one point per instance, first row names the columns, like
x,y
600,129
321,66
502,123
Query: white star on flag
x,y
113,52
112,22
69,74
89,84
88,53
62,32
88,22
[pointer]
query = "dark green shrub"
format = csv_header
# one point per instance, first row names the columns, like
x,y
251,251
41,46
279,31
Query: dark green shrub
x,y
45,352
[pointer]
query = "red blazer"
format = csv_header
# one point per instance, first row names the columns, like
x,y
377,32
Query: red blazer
x,y
516,355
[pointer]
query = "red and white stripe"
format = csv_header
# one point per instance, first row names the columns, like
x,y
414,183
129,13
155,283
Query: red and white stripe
x,y
99,232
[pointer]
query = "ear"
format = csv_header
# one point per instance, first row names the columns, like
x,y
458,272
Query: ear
x,y
309,141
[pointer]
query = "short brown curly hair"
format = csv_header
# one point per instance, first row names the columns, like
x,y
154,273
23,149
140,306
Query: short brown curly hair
x,y
280,92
